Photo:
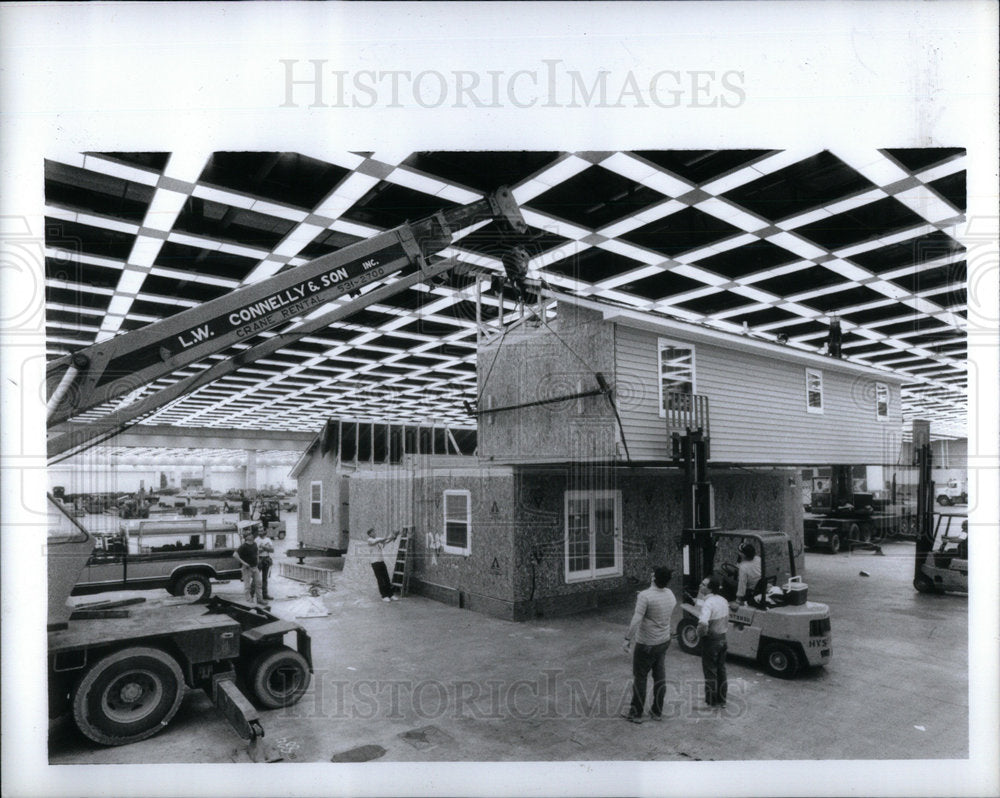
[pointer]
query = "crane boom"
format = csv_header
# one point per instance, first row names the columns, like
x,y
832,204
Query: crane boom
x,y
114,368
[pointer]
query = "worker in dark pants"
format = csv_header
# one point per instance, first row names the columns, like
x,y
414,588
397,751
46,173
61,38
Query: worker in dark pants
x,y
265,554
712,629
650,627
378,564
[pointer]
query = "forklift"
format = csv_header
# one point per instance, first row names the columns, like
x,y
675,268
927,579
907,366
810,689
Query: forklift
x,y
778,626
941,562
268,512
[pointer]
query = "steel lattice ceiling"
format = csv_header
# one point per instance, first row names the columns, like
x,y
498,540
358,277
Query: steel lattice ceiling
x,y
772,242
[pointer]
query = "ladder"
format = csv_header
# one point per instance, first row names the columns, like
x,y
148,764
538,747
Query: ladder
x,y
401,573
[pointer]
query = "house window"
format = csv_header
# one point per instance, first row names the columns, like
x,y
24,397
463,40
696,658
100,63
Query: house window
x,y
315,502
593,534
457,521
814,390
881,401
676,365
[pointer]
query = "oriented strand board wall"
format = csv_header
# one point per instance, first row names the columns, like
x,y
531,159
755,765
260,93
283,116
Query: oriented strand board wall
x,y
529,364
653,517
758,408
486,575
382,500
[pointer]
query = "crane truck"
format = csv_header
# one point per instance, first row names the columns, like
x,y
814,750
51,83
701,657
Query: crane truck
x,y
122,668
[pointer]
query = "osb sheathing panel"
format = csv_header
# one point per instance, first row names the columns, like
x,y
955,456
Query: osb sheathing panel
x,y
518,526
652,520
538,363
489,568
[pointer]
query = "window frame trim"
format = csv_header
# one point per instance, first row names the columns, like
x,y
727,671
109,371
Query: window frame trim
x,y
318,502
660,343
593,574
822,402
445,547
884,386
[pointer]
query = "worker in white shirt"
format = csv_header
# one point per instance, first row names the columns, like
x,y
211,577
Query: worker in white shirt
x,y
378,564
712,629
749,573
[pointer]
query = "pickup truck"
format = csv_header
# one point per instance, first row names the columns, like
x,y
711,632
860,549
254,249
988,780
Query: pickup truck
x,y
182,555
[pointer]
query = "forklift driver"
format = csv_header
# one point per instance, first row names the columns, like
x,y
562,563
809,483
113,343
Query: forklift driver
x,y
749,573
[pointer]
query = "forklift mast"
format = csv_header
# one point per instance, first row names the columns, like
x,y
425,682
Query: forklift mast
x,y
118,367
689,412
923,458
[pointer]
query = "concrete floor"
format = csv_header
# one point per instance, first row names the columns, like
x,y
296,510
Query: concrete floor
x,y
418,681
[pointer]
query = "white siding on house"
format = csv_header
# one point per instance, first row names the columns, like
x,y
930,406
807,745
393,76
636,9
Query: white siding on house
x,y
758,407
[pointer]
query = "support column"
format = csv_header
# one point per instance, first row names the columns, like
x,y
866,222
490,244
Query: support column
x,y
250,480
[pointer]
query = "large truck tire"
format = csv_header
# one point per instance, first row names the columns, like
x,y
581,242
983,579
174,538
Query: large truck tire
x,y
834,543
128,695
278,677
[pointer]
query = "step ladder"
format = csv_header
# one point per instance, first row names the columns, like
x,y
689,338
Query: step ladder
x,y
401,571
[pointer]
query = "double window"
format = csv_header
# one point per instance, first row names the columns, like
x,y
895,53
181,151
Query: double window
x,y
676,371
457,521
315,502
814,390
593,547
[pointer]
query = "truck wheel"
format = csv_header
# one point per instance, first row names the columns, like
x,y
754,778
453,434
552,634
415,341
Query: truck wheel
x,y
780,660
944,501
195,587
924,584
278,677
687,636
128,696
834,543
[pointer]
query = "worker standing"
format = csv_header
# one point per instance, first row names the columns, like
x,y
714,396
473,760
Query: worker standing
x,y
265,554
378,564
247,556
650,628
712,629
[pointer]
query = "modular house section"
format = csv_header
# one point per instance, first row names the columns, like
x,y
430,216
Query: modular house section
x,y
344,446
519,542
544,395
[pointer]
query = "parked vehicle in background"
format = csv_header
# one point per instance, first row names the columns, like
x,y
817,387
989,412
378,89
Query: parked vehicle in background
x,y
954,492
181,555
268,512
